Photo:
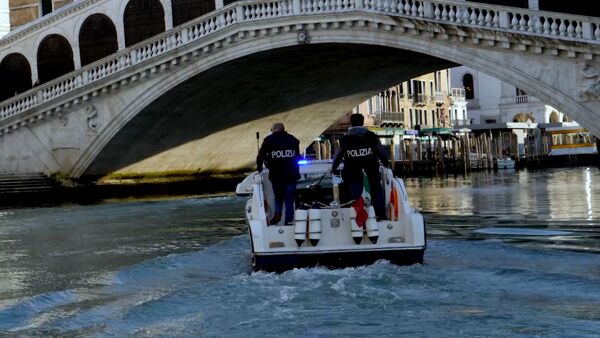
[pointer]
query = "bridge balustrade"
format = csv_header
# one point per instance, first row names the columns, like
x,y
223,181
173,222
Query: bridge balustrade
x,y
523,21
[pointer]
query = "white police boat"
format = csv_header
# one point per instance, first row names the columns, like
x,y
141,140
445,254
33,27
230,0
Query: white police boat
x,y
325,230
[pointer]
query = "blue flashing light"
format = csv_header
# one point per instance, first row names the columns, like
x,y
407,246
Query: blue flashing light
x,y
302,162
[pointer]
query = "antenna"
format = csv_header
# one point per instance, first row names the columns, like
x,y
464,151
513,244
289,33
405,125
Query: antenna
x,y
257,141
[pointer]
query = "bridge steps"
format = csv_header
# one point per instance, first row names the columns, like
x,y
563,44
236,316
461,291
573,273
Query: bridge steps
x,y
21,183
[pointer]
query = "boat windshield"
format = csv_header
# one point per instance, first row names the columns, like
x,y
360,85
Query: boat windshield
x,y
315,190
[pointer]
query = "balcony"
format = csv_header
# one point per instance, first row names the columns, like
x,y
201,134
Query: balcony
x,y
439,97
419,99
460,122
387,118
518,99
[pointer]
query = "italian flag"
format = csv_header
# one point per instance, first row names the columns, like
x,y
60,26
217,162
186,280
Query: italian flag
x,y
366,190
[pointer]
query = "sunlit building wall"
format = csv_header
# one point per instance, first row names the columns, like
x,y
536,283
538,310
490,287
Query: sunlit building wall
x,y
24,11
422,102
4,18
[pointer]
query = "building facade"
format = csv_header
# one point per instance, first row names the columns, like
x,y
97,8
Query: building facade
x,y
424,102
492,101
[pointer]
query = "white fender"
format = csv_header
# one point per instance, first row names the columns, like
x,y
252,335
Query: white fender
x,y
372,227
314,226
357,232
301,217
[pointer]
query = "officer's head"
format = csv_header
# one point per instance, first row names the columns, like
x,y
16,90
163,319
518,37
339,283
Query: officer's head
x,y
277,127
357,120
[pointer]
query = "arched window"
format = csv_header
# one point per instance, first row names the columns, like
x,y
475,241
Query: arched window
x,y
54,58
97,38
554,118
16,68
186,10
468,84
394,107
143,19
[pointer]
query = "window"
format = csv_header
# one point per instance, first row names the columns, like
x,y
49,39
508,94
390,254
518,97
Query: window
x,y
520,92
45,7
468,85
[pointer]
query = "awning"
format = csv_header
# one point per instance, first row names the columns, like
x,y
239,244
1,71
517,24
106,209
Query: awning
x,y
437,131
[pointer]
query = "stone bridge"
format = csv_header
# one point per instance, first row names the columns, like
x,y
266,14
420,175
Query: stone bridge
x,y
193,96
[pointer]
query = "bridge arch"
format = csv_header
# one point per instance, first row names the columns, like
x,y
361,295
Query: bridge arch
x,y
16,68
143,19
54,58
493,63
97,38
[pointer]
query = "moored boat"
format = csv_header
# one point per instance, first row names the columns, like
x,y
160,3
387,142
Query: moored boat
x,y
505,162
327,230
568,143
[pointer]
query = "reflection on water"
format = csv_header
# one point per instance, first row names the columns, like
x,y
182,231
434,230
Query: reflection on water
x,y
566,199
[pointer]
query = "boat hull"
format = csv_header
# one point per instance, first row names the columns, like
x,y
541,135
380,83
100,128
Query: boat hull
x,y
339,259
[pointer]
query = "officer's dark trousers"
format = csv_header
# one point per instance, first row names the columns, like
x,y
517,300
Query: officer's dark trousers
x,y
377,198
284,192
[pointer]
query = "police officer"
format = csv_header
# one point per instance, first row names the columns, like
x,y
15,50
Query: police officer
x,y
280,152
362,150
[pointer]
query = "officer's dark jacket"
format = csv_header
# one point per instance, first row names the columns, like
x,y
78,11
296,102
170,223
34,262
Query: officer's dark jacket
x,y
360,149
280,152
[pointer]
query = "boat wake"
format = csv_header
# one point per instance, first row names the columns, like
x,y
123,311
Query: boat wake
x,y
465,287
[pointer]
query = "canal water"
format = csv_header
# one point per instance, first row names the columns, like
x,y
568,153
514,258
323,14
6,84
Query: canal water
x,y
511,254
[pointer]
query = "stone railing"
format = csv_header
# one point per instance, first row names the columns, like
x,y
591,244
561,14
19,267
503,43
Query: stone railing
x,y
389,117
419,99
518,99
130,57
460,122
555,25
439,97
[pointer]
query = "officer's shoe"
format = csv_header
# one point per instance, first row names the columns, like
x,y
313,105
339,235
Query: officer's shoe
x,y
289,223
275,220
